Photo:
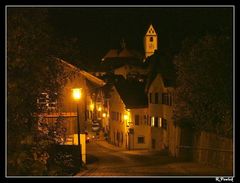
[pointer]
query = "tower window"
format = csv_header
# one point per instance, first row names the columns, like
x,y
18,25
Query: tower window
x,y
151,39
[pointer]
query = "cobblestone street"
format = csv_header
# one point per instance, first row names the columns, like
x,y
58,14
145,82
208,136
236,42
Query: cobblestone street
x,y
104,159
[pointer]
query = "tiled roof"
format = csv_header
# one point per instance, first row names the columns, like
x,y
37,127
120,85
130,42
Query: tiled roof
x,y
163,64
87,75
122,53
132,93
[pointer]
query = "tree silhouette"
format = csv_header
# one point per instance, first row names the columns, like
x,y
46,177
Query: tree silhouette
x,y
204,84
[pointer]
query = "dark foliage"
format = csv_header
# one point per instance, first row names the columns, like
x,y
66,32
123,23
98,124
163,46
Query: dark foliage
x,y
204,92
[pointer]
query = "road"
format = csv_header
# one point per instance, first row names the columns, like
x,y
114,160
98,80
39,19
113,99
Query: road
x,y
102,161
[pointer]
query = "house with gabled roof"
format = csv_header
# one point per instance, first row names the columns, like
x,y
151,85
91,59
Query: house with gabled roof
x,y
129,125
160,88
65,104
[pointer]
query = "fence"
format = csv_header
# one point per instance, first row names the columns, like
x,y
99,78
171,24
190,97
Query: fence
x,y
212,149
207,148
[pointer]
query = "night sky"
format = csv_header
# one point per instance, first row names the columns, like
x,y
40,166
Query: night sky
x,y
99,29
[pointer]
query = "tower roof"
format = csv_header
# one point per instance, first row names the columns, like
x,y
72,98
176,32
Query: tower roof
x,y
151,31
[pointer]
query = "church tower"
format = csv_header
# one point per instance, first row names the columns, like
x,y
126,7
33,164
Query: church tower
x,y
150,41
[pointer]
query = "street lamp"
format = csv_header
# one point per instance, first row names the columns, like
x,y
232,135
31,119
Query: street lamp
x,y
77,93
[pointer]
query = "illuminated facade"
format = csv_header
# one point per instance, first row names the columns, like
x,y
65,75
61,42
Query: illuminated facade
x,y
140,136
129,125
65,103
164,134
135,125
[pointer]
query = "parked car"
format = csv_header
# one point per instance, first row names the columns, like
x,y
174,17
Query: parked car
x,y
95,127
87,137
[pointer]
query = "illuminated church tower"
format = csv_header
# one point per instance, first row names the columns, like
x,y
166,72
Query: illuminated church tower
x,y
150,41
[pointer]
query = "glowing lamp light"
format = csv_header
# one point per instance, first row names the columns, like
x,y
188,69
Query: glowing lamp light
x,y
104,115
76,93
99,108
125,117
91,106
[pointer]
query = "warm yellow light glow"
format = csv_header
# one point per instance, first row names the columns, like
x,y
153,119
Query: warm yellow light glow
x,y
92,106
126,117
77,93
152,121
99,108
104,115
160,122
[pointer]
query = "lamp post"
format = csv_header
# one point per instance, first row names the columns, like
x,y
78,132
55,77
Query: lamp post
x,y
77,96
126,118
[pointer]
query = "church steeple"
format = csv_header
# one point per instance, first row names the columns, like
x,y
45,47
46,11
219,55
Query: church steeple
x,y
150,41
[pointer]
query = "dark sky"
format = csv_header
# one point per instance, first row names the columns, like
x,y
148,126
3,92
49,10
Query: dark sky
x,y
100,29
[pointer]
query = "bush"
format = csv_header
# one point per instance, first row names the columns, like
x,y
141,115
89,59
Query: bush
x,y
63,160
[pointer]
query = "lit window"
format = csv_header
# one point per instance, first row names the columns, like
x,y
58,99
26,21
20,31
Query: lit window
x,y
152,121
160,122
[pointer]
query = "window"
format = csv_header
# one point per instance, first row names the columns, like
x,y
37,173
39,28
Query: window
x,y
145,118
152,120
136,119
156,98
160,98
141,140
150,98
160,122
164,123
167,99
113,115
164,98
117,117
170,99
47,101
151,39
